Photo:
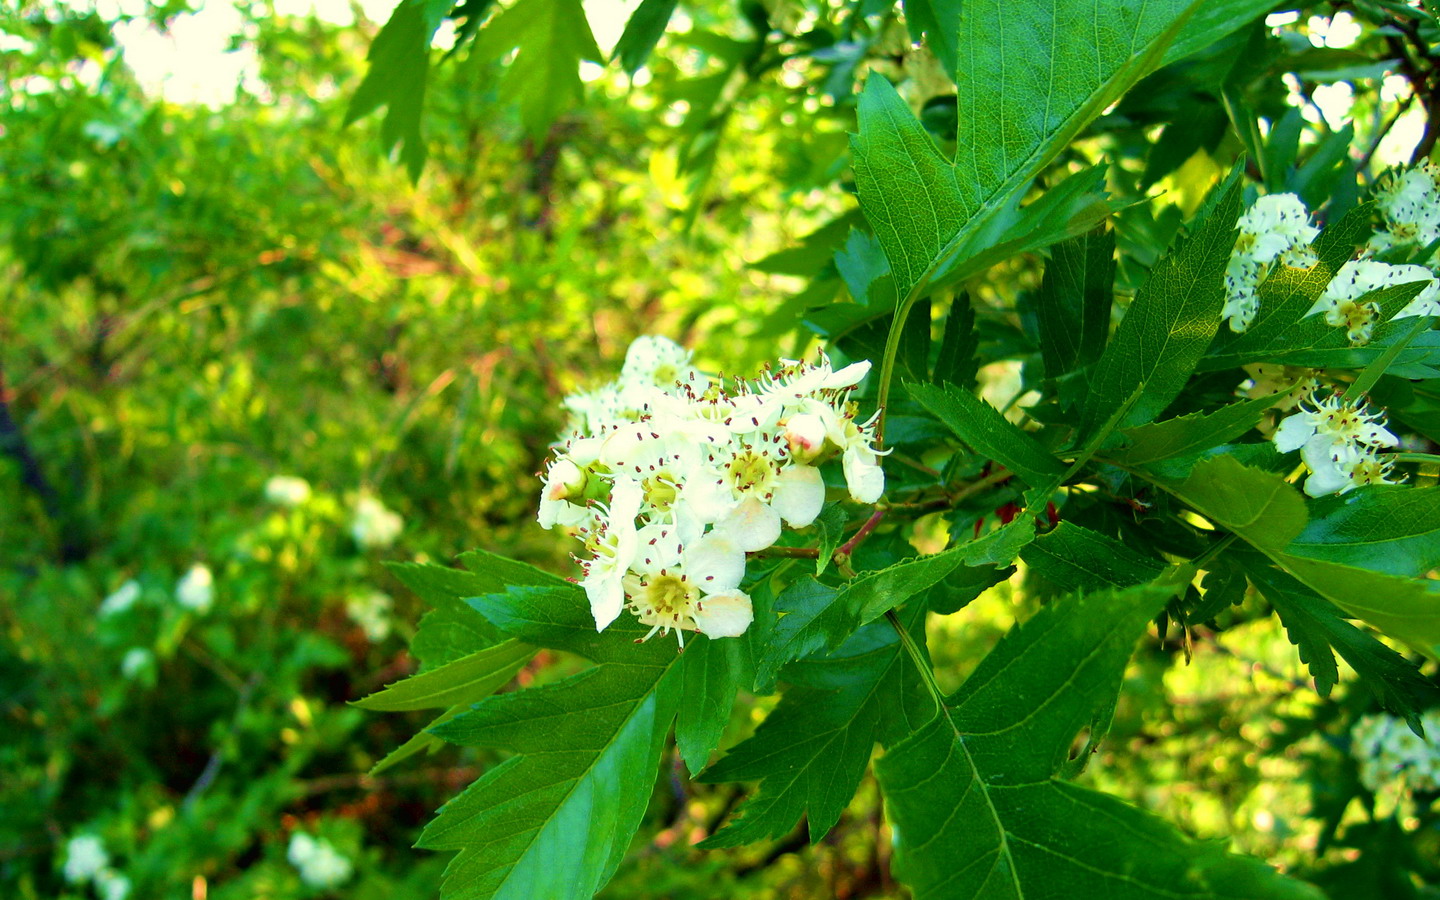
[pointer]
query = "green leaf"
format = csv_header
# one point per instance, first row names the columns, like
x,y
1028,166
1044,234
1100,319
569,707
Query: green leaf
x,y
958,360
560,618
1001,546
866,272
940,21
963,585
1026,87
1074,558
452,630
643,32
1073,305
1316,627
979,811
815,616
1258,506
1405,609
1395,530
423,741
555,819
711,672
811,751
550,38
1171,322
831,523
466,680
399,60
1193,433
981,426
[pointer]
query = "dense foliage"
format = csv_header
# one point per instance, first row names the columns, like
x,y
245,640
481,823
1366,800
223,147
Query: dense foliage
x,y
1151,563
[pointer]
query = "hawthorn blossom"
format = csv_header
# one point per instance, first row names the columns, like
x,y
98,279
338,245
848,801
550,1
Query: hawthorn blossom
x,y
319,863
1389,752
669,478
1275,229
1340,444
373,525
1341,300
1409,204
85,857
287,490
196,590
122,599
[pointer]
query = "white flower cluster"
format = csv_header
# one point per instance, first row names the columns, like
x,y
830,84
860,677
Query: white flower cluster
x,y
1409,205
670,479
1389,752
122,599
1341,300
371,611
87,861
287,490
320,864
1340,442
373,525
1276,228
196,590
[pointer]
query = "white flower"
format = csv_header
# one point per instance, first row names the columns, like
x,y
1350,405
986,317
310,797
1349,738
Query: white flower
x,y
1339,442
612,543
371,611
111,885
1358,278
196,590
320,865
695,587
85,856
373,525
1409,204
1276,228
1390,753
136,660
123,598
287,490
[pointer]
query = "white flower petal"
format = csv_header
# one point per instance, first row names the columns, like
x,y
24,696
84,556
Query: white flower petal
x,y
715,563
752,525
606,595
799,495
724,615
863,475
1293,432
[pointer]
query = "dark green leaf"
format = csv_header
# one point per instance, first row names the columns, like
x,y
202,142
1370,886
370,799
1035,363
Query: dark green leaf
x,y
423,741
977,806
399,59
1073,305
1395,530
981,426
866,272
957,361
711,671
1184,435
560,617
1075,558
963,585
550,38
1001,546
1171,322
642,33
831,524
466,680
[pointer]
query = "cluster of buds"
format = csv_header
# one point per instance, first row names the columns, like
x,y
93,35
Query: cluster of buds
x,y
1408,201
1276,229
670,478
1390,753
1340,442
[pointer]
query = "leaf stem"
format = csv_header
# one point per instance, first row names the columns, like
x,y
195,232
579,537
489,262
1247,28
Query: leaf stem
x,y
912,649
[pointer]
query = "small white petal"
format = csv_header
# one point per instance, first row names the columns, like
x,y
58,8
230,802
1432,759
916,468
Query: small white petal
x,y
863,475
799,495
752,525
1293,432
724,615
607,596
715,563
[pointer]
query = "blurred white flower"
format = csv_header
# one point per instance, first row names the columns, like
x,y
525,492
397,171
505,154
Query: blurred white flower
x,y
137,660
196,591
1390,754
373,525
320,865
287,490
111,885
85,856
371,611
123,598
102,133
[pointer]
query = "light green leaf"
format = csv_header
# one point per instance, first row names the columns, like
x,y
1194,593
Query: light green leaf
x,y
399,60
1404,608
1193,433
1395,530
556,819
1001,546
550,38
1258,506
1171,322
466,680
981,425
977,805
643,32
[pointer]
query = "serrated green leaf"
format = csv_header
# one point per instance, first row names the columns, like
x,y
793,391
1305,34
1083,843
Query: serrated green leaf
x,y
831,524
1001,546
711,672
815,616
811,751
556,819
1256,505
549,38
1074,558
963,585
559,617
979,811
452,630
466,680
866,272
1315,626
1073,305
424,741
1404,608
958,360
1168,327
1192,433
981,426
642,33
399,60
1390,529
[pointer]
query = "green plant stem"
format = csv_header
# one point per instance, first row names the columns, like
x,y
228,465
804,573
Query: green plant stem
x,y
907,641
1415,457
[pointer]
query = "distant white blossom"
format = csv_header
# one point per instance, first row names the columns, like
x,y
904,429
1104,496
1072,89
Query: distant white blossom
x,y
371,611
85,857
1409,204
122,599
670,478
136,660
1340,302
196,590
1390,754
111,885
287,490
372,525
320,864
1275,229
